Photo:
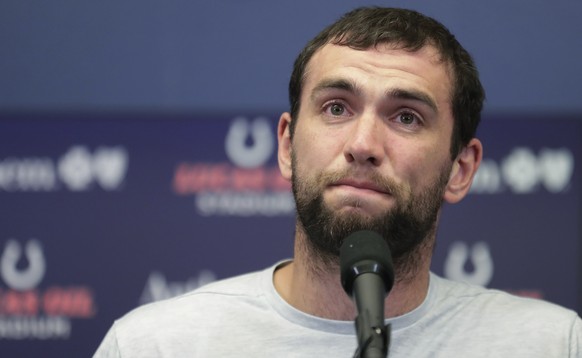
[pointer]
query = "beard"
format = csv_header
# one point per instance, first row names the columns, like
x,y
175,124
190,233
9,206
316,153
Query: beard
x,y
409,228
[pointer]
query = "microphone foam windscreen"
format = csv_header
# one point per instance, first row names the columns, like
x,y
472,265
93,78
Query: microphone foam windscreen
x,y
365,251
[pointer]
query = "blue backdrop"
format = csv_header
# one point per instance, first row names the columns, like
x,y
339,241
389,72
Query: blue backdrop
x,y
124,176
104,212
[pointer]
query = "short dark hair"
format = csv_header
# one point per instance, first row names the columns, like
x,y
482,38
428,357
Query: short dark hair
x,y
368,27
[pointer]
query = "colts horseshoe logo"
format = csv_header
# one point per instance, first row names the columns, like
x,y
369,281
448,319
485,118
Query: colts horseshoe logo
x,y
29,277
480,258
242,154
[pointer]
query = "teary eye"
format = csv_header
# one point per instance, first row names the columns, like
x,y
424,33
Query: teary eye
x,y
337,109
407,118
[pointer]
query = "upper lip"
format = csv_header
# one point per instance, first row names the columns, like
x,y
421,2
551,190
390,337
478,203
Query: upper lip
x,y
361,184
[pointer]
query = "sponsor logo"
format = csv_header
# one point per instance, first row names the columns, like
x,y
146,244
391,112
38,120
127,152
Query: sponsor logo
x,y
240,152
244,186
30,312
158,288
79,169
474,265
478,257
523,171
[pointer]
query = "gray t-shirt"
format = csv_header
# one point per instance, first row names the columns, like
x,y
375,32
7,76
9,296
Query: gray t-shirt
x,y
245,317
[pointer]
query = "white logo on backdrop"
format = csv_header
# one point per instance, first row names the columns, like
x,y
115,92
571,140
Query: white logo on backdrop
x,y
78,169
522,172
248,185
557,167
27,277
37,313
480,260
249,145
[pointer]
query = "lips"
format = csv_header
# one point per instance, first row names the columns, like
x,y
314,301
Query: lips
x,y
361,185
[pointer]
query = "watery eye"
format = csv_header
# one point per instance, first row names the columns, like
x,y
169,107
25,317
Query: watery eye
x,y
407,118
337,109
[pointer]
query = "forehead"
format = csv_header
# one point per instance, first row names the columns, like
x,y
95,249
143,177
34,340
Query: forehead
x,y
384,65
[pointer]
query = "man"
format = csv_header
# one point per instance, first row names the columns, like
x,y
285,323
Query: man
x,y
384,108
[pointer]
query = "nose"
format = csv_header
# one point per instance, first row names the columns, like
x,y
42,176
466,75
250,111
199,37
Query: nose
x,y
365,144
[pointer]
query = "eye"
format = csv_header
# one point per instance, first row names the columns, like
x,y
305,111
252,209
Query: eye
x,y
408,118
336,109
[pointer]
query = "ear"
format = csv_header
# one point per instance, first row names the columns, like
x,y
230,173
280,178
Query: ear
x,y
463,171
284,151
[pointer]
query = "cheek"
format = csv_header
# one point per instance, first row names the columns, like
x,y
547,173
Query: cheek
x,y
305,164
314,150
419,166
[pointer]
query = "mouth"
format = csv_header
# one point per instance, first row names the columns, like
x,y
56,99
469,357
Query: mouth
x,y
360,186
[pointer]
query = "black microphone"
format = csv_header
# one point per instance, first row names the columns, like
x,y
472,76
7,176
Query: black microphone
x,y
367,276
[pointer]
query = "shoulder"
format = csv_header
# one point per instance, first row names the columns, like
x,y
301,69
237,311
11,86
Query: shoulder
x,y
500,308
228,290
167,324
483,322
212,301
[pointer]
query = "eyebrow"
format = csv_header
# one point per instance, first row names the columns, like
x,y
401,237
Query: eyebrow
x,y
395,93
413,95
337,84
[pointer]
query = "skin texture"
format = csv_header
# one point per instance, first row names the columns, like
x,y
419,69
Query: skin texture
x,y
373,135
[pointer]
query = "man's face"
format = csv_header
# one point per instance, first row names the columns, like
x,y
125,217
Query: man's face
x,y
371,145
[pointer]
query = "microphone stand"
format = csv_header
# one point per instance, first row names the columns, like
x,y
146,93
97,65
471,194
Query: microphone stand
x,y
373,334
367,275
372,341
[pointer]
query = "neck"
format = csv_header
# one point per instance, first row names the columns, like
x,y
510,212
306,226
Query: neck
x,y
314,287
